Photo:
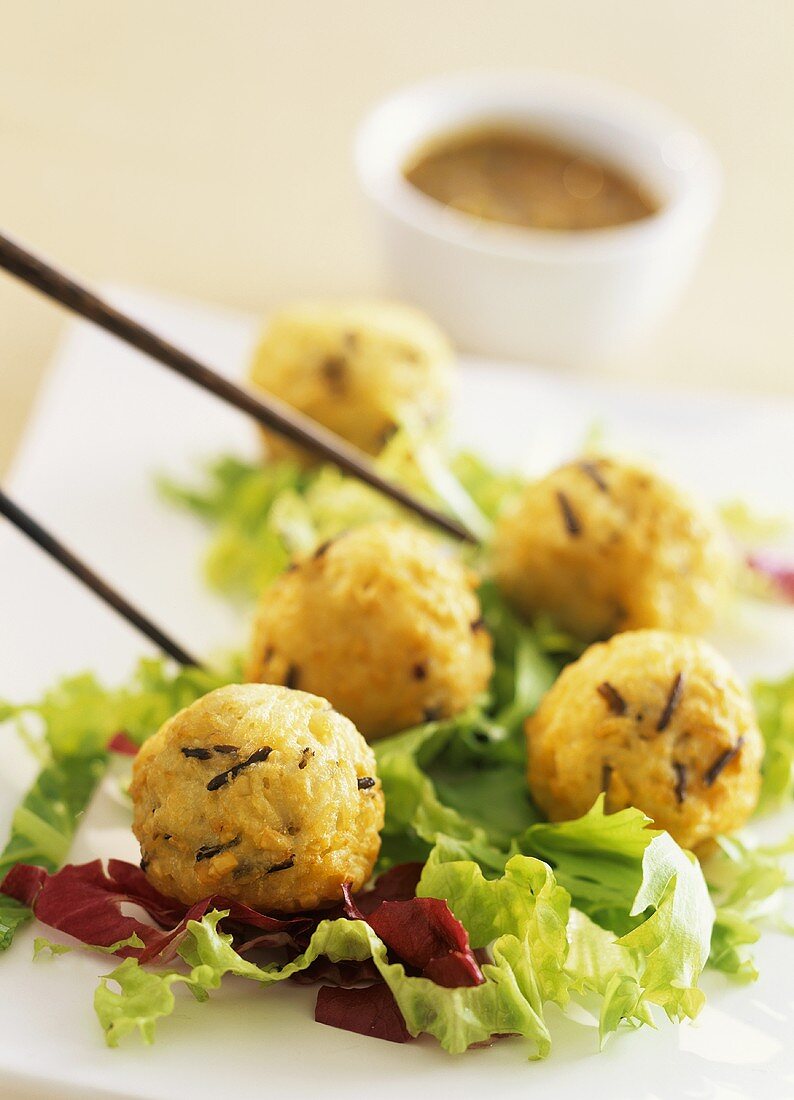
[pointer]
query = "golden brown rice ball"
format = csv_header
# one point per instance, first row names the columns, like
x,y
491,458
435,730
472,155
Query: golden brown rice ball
x,y
600,546
381,621
657,721
264,795
361,369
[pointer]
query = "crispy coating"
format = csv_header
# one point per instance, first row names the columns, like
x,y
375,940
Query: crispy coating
x,y
361,369
655,720
601,546
262,794
381,621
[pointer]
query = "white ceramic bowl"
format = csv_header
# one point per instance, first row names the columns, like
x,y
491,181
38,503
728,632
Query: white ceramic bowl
x,y
548,296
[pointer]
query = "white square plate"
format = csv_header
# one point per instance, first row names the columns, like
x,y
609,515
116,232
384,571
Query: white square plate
x,y
106,421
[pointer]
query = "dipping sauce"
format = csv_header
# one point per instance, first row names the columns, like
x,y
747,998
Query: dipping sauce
x,y
526,179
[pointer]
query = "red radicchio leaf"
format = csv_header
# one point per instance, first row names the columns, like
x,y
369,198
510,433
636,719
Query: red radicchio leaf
x,y
397,884
346,974
85,901
371,1011
778,572
423,933
123,744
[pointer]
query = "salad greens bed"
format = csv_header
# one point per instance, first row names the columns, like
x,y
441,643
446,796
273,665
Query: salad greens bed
x,y
603,911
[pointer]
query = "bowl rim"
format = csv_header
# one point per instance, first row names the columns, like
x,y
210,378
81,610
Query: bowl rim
x,y
640,118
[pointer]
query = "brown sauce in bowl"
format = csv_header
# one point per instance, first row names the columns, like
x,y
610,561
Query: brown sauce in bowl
x,y
529,180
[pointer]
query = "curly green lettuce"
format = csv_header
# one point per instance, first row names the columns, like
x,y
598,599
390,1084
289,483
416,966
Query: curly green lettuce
x,y
541,952
262,514
774,704
747,885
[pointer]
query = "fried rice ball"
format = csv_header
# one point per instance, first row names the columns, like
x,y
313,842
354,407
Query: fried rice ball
x,y
361,369
655,720
381,621
264,795
601,545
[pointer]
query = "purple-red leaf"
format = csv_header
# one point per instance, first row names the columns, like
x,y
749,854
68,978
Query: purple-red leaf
x,y
424,934
123,744
397,884
85,901
340,973
370,1011
779,573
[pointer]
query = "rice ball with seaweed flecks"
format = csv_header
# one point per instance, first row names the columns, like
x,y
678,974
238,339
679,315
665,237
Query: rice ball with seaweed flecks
x,y
653,720
601,545
262,794
362,369
382,621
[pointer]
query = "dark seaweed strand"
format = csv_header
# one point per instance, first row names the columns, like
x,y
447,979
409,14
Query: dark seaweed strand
x,y
680,781
323,548
334,370
223,778
478,624
388,432
673,699
291,678
606,777
305,757
572,524
614,700
283,866
593,472
197,754
365,782
207,851
224,750
722,762
419,671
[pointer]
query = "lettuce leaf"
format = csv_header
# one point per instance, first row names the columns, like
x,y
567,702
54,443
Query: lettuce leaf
x,y
657,895
598,858
638,883
674,941
540,952
525,904
597,963
774,704
415,815
261,514
750,527
746,885
250,547
12,915
79,715
45,821
506,1003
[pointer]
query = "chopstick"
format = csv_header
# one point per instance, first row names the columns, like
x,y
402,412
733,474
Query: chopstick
x,y
266,409
52,546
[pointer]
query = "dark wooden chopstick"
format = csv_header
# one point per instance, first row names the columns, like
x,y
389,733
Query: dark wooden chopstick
x,y
276,415
89,578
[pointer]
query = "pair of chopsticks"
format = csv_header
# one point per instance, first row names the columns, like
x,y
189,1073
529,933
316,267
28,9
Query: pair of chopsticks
x,y
268,411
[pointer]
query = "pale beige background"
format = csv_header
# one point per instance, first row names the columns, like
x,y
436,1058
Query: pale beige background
x,y
203,148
